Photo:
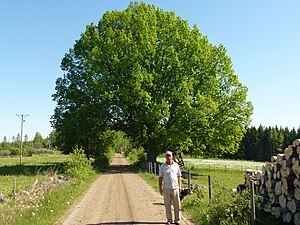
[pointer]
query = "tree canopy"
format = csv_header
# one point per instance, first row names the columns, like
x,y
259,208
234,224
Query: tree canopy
x,y
146,72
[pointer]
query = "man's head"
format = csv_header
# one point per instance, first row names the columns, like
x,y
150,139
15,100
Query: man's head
x,y
169,157
169,153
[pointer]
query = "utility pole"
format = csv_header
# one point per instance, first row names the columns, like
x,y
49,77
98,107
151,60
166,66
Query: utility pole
x,y
22,117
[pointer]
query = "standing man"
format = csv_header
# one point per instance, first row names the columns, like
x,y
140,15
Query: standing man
x,y
170,174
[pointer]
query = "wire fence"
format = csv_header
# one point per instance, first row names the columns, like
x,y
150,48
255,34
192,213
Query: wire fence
x,y
210,167
256,219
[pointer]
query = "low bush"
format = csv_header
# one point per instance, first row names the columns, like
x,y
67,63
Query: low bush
x,y
78,166
5,153
225,207
135,156
104,159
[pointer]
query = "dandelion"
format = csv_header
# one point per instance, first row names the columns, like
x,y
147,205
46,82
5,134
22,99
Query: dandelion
x,y
33,213
51,210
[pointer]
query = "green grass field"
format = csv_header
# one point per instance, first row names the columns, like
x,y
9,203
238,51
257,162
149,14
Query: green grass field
x,y
36,167
229,172
43,208
225,176
32,168
224,164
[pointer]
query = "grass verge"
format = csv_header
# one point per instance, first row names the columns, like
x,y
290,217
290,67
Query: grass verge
x,y
54,204
61,182
225,207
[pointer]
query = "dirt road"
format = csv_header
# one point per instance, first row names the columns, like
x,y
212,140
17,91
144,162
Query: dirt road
x,y
118,197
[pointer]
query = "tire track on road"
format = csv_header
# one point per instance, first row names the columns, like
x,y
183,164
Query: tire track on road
x,y
119,197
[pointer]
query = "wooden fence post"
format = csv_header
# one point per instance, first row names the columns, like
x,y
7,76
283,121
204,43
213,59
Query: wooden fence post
x,y
210,188
253,216
189,180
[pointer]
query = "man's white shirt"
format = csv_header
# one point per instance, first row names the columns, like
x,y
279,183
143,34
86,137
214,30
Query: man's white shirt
x,y
170,174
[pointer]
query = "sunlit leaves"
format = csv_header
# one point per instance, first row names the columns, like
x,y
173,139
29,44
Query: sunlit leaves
x,y
148,73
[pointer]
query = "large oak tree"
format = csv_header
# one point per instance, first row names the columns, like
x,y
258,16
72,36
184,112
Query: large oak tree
x,y
148,73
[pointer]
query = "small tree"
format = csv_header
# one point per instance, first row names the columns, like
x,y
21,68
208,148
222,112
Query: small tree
x,y
38,141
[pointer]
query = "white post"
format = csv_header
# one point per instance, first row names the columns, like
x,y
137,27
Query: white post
x,y
15,187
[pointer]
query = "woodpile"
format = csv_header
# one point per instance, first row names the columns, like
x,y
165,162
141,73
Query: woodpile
x,y
279,184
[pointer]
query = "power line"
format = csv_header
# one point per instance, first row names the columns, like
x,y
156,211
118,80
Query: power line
x,y
22,117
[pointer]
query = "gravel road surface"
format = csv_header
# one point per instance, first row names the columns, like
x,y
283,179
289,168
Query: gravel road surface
x,y
118,196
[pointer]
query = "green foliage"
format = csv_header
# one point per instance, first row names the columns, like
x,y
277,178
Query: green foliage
x,y
104,159
37,145
38,140
222,209
135,155
226,208
109,142
14,151
229,208
148,73
5,153
261,143
78,166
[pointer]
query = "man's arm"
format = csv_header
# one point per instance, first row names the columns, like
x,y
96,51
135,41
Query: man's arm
x,y
160,179
179,183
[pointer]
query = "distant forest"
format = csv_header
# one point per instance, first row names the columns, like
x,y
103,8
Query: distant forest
x,y
258,144
12,147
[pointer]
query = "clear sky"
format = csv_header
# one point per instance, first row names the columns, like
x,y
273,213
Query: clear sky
x,y
261,37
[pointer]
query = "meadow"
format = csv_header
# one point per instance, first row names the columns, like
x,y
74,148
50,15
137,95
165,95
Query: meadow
x,y
225,207
224,164
44,193
32,168
225,175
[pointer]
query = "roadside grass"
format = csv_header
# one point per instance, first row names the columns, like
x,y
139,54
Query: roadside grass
x,y
40,207
32,168
225,206
54,205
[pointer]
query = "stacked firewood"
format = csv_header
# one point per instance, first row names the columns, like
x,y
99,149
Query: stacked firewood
x,y
279,184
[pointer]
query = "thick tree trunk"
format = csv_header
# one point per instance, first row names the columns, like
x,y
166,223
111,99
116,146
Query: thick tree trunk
x,y
151,154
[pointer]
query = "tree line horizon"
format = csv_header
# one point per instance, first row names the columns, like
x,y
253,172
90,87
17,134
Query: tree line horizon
x,y
259,143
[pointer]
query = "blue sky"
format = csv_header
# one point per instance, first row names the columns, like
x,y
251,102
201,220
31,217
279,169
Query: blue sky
x,y
261,37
